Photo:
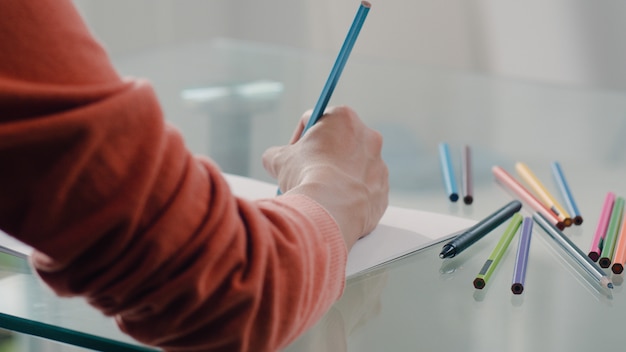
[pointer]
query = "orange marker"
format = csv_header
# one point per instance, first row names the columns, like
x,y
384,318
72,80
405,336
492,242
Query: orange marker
x,y
619,259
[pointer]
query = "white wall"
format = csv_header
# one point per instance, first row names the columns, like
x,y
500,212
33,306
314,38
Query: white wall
x,y
564,41
575,42
559,42
136,26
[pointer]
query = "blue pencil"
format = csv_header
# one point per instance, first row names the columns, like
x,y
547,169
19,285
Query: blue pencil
x,y
335,72
566,193
521,261
340,62
448,172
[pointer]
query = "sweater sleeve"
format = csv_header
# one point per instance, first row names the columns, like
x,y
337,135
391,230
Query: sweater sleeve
x,y
121,213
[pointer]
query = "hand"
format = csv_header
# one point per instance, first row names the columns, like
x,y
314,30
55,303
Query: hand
x,y
337,163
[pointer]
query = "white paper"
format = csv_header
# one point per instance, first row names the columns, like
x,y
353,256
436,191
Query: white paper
x,y
399,232
12,246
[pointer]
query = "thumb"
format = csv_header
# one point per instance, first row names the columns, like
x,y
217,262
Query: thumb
x,y
270,160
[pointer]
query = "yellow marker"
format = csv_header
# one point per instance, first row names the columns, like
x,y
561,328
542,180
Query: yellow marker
x,y
545,196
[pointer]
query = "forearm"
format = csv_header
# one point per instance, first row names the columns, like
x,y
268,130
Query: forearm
x,y
168,250
121,213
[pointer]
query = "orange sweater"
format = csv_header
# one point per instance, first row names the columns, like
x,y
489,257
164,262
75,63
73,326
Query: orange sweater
x,y
121,213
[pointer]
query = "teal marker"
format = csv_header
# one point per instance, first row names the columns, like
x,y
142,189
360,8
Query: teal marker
x,y
498,252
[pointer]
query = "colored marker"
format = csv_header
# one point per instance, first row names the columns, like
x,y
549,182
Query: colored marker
x,y
508,181
619,259
608,245
603,225
540,190
521,260
447,171
496,255
573,251
566,193
466,170
479,230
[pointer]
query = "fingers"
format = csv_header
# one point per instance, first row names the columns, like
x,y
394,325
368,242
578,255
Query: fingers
x,y
335,111
304,119
338,164
269,160
270,155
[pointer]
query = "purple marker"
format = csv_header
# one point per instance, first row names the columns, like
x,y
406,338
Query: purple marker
x,y
519,273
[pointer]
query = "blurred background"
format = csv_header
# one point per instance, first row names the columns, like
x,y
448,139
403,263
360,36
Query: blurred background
x,y
570,45
574,42
483,72
503,76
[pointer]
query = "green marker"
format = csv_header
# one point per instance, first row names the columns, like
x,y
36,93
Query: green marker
x,y
498,252
608,245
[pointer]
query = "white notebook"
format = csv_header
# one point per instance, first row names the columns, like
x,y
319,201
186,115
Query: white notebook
x,y
401,231
12,246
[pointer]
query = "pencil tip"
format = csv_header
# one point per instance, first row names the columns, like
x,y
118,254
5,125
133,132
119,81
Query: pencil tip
x,y
447,251
610,285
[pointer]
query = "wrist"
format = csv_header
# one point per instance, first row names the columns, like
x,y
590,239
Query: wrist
x,y
338,203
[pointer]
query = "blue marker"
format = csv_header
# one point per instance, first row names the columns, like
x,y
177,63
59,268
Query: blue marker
x,y
566,193
448,172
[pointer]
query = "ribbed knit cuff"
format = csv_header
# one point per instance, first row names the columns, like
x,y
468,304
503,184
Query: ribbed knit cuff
x,y
329,229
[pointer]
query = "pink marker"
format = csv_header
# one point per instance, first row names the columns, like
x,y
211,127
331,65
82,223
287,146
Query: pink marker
x,y
509,182
603,224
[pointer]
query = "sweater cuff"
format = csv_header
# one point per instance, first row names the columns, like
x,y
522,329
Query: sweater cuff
x,y
329,230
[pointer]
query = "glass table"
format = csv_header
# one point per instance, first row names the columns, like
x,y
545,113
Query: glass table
x,y
419,302
27,306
